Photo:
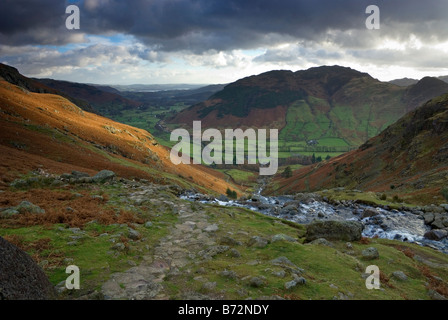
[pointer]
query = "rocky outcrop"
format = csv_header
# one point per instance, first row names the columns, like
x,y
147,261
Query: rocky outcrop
x,y
20,277
334,230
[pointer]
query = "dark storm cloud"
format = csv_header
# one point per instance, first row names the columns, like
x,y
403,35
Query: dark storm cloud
x,y
201,25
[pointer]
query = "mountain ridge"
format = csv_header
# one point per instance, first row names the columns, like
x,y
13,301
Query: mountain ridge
x,y
321,102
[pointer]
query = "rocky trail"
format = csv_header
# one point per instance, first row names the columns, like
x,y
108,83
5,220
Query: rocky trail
x,y
187,239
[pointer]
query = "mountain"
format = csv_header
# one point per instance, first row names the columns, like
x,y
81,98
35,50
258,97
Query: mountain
x,y
48,132
318,103
444,78
12,75
404,82
409,158
167,98
103,100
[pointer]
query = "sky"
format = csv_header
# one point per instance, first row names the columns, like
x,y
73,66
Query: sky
x,y
220,41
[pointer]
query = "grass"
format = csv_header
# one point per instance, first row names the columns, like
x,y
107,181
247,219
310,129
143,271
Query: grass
x,y
373,198
93,253
328,270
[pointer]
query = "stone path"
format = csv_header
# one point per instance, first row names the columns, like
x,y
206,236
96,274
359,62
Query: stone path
x,y
188,237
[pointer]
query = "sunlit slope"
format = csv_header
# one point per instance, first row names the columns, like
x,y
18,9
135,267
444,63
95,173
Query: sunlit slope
x,y
48,131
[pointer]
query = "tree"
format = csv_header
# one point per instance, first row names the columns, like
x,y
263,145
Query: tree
x,y
328,157
231,194
287,173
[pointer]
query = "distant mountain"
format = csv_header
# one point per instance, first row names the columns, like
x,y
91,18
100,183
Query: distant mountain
x,y
318,103
166,98
444,78
423,90
404,82
47,131
157,87
103,100
409,157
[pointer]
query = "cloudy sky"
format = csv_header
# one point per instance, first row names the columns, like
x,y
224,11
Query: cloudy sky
x,y
220,41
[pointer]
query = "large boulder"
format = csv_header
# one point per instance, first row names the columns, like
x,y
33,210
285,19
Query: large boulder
x,y
103,176
334,230
20,277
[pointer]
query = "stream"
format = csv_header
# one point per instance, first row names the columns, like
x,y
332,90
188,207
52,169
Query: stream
x,y
381,222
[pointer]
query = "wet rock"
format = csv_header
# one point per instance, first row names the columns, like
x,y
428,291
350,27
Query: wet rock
x,y
334,230
439,222
370,253
429,218
223,198
437,234
369,213
289,210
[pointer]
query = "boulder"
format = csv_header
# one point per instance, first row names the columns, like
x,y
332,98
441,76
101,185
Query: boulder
x,y
370,253
439,223
282,237
256,282
334,230
103,176
436,234
399,275
133,234
367,213
429,218
20,277
28,207
77,174
288,210
223,198
257,242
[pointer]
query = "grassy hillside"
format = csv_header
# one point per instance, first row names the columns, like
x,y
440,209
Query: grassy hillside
x,y
326,104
